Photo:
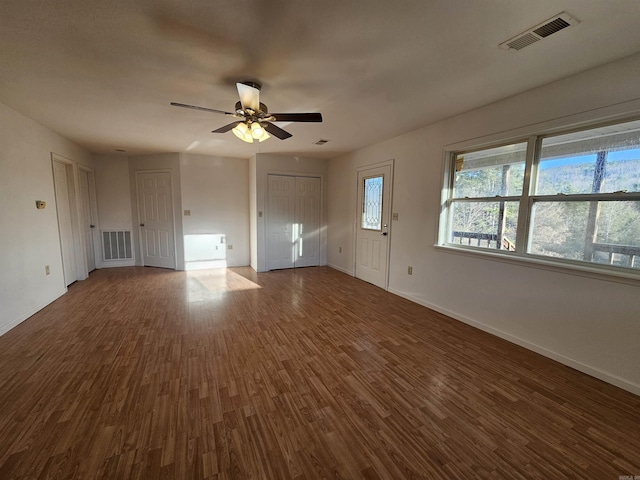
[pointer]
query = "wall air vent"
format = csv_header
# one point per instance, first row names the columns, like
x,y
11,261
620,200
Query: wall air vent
x,y
116,245
537,33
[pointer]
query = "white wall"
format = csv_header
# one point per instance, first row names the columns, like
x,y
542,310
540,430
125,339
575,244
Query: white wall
x,y
589,323
113,199
216,191
29,237
263,164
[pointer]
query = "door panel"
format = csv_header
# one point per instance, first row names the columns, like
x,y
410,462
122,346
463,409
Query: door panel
x,y
280,222
363,252
307,222
155,205
87,226
372,233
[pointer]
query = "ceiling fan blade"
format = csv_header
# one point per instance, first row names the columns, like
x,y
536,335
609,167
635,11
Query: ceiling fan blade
x,y
249,97
276,131
204,109
226,128
296,117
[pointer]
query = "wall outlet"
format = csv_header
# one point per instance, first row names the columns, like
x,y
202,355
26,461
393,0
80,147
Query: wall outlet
x,y
410,270
395,216
229,246
339,249
187,213
47,270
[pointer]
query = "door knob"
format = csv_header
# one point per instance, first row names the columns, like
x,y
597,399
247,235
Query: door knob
x,y
385,233
92,226
142,224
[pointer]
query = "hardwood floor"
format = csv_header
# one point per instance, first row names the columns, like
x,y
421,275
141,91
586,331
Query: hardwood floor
x,y
305,374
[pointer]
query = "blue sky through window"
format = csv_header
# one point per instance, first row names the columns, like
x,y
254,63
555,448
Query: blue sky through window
x,y
630,154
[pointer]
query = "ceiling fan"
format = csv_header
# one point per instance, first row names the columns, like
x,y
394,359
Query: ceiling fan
x,y
255,122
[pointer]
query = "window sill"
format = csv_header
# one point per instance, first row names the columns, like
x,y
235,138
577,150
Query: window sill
x,y
599,272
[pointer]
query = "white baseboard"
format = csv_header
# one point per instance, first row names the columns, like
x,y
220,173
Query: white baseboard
x,y
340,269
15,322
581,367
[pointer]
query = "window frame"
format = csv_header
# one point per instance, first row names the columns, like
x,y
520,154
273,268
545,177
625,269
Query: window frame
x,y
527,200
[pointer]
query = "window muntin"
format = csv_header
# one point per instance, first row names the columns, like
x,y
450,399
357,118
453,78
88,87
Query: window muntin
x,y
372,203
583,203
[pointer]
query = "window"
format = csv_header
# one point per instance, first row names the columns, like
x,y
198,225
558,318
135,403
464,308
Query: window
x,y
574,197
487,186
372,203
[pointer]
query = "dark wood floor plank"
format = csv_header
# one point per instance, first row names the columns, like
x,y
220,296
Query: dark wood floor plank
x,y
300,374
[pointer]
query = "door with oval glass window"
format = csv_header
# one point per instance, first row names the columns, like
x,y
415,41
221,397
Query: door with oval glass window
x,y
373,225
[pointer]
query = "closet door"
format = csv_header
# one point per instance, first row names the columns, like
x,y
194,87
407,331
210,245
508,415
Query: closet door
x,y
280,221
293,222
307,224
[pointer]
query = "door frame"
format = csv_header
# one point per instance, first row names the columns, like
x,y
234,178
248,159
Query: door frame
x,y
386,163
71,169
261,207
173,215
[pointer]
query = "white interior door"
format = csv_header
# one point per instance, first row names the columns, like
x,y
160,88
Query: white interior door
x,y
281,217
63,207
155,212
293,221
87,225
373,228
307,222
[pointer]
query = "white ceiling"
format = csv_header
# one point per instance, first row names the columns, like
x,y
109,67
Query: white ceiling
x,y
102,73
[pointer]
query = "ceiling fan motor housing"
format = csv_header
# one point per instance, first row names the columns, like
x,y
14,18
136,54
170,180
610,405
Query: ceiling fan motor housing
x,y
240,110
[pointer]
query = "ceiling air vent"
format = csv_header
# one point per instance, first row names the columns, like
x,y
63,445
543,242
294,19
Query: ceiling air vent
x,y
322,141
537,33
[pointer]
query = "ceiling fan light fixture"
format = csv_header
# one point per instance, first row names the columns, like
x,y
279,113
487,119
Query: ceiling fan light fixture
x,y
265,136
242,132
257,131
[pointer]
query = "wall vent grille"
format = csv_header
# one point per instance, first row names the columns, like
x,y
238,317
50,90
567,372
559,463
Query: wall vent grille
x,y
116,245
537,33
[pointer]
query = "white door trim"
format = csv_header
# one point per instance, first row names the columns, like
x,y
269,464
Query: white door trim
x,y
363,168
71,168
